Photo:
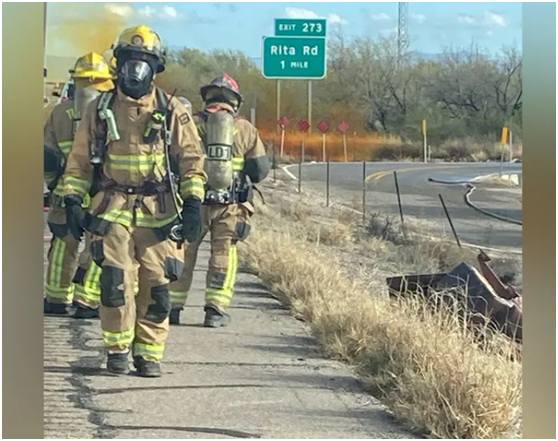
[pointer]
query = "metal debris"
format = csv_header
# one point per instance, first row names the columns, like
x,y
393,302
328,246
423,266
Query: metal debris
x,y
482,293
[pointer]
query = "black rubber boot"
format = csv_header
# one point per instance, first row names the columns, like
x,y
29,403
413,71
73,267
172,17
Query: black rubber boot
x,y
147,368
84,312
55,308
174,317
215,318
118,364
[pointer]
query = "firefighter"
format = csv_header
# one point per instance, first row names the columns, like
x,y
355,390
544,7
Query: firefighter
x,y
134,147
235,158
91,76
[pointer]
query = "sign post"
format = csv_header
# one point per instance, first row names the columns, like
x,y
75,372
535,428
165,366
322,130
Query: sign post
x,y
278,99
323,127
303,126
296,51
283,124
503,143
424,141
343,127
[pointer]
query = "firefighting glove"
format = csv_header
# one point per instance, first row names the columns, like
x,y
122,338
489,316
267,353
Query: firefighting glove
x,y
75,216
191,219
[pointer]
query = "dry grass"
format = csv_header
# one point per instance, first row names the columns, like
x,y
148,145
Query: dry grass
x,y
428,366
373,147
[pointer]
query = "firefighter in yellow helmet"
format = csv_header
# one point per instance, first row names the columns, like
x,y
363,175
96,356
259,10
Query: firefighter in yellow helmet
x,y
91,76
235,158
134,148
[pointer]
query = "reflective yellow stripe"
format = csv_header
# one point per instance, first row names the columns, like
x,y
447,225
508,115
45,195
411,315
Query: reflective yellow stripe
x,y
59,189
126,218
122,217
238,164
124,338
150,350
178,298
91,288
225,294
75,185
148,221
136,162
193,186
52,287
57,260
66,147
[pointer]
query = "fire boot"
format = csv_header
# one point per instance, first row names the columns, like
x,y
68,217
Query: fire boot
x,y
147,368
118,364
174,317
55,308
214,318
84,312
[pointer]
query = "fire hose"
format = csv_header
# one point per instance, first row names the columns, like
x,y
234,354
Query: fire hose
x,y
468,202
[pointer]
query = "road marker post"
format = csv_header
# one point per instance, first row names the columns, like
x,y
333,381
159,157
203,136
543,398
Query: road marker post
x,y
363,193
354,146
511,146
503,143
283,123
424,141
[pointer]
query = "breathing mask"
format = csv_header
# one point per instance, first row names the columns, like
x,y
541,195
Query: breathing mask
x,y
135,75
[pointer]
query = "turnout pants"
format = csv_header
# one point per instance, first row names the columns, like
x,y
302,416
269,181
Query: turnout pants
x,y
129,321
66,266
226,224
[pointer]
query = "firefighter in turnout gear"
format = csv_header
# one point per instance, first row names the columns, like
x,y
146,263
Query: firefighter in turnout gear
x,y
91,76
235,158
134,148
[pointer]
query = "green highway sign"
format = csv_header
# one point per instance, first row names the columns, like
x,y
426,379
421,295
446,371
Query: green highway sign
x,y
300,27
294,57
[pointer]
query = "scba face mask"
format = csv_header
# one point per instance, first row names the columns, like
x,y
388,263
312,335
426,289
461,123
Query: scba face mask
x,y
135,78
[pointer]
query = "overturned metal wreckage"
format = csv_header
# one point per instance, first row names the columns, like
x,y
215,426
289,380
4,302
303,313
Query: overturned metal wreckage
x,y
483,294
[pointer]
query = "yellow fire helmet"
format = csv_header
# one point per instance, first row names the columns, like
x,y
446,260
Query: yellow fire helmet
x,y
91,66
142,39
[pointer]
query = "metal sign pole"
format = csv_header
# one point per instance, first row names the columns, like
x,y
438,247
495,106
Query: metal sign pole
x,y
345,145
303,146
310,106
278,100
282,141
324,147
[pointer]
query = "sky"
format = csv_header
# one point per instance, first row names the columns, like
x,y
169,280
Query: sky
x,y
241,25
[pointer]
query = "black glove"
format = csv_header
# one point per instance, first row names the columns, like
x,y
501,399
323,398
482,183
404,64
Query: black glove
x,y
75,216
191,219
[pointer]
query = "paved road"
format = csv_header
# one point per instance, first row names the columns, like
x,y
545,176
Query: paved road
x,y
420,197
261,377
